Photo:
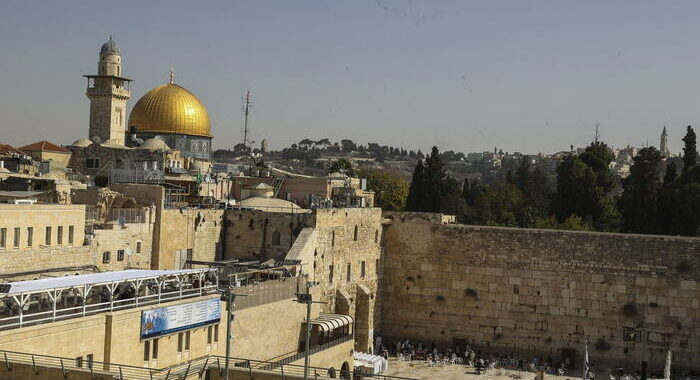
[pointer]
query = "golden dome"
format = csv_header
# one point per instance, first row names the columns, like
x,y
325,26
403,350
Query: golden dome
x,y
170,108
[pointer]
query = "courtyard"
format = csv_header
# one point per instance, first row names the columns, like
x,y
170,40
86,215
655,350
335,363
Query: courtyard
x,y
419,369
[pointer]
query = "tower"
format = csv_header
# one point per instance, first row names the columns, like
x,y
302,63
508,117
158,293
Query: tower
x,y
108,92
663,145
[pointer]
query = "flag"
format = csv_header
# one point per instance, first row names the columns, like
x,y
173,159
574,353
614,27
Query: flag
x,y
586,365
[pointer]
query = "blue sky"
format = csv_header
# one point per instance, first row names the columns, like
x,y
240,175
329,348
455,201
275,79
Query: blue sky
x,y
529,76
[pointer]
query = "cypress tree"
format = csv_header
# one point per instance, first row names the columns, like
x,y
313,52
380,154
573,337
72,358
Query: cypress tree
x,y
690,150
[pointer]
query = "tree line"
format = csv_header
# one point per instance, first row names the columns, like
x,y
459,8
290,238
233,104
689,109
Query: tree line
x,y
584,195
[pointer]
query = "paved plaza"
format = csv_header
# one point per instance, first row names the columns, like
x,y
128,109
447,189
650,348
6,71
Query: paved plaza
x,y
419,369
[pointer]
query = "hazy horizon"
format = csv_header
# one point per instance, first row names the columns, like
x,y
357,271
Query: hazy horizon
x,y
466,76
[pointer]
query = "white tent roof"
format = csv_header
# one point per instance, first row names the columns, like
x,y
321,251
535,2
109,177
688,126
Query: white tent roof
x,y
92,279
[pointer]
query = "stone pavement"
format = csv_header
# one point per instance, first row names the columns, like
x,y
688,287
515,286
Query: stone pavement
x,y
418,369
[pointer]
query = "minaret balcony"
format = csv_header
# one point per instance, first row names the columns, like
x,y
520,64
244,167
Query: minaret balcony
x,y
109,91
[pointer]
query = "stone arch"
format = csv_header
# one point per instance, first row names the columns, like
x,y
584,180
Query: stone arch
x,y
345,371
331,373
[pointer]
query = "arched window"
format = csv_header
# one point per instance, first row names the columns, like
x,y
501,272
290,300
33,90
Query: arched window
x,y
275,238
376,236
333,239
354,235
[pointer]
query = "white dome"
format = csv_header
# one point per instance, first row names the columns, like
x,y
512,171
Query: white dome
x,y
81,143
155,144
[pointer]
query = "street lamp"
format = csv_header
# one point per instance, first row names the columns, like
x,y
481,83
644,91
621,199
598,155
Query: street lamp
x,y
306,298
230,298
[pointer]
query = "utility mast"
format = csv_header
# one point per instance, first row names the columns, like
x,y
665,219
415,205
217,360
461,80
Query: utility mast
x,y
246,110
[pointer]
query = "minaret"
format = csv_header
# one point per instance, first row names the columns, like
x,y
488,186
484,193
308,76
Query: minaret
x,y
663,145
108,92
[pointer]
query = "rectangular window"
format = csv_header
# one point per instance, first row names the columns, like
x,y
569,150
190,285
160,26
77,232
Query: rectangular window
x,y
138,247
79,362
47,238
3,238
362,270
146,350
348,276
209,334
90,358
330,274
105,258
71,232
155,349
187,341
216,333
16,241
120,255
59,235
30,236
180,337
92,163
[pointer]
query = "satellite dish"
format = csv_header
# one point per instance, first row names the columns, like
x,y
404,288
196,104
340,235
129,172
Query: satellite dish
x,y
129,251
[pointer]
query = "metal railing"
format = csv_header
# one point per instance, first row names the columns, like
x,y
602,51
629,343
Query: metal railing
x,y
316,373
118,371
195,367
135,176
266,292
312,350
127,215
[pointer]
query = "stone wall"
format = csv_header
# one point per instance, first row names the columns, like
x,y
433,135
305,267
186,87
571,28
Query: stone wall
x,y
348,240
134,239
543,292
186,230
250,234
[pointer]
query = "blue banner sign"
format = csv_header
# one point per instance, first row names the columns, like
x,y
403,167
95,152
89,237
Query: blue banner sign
x,y
167,320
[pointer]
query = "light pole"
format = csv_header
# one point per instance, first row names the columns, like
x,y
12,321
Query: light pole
x,y
306,298
230,298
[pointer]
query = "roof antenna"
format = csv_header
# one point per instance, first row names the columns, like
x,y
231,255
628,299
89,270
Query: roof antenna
x,y
172,74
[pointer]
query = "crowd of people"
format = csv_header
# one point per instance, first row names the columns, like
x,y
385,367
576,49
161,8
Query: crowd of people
x,y
481,362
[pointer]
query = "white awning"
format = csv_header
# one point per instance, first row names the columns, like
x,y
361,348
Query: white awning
x,y
328,322
45,284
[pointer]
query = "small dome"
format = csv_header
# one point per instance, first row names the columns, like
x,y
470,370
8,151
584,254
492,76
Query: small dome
x,y
154,144
109,47
81,143
271,205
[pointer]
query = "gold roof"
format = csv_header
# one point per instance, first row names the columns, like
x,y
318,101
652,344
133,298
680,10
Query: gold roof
x,y
170,108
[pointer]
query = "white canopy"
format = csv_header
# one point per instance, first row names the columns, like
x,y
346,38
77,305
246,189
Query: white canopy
x,y
66,282
328,322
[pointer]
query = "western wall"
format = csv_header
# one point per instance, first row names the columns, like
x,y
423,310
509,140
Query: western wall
x,y
542,292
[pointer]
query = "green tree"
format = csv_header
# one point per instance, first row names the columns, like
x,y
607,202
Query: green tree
x,y
584,188
418,190
690,150
342,166
641,191
537,187
390,190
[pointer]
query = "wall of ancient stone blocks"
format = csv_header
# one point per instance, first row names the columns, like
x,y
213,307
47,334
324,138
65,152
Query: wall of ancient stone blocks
x,y
542,292
349,241
251,234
